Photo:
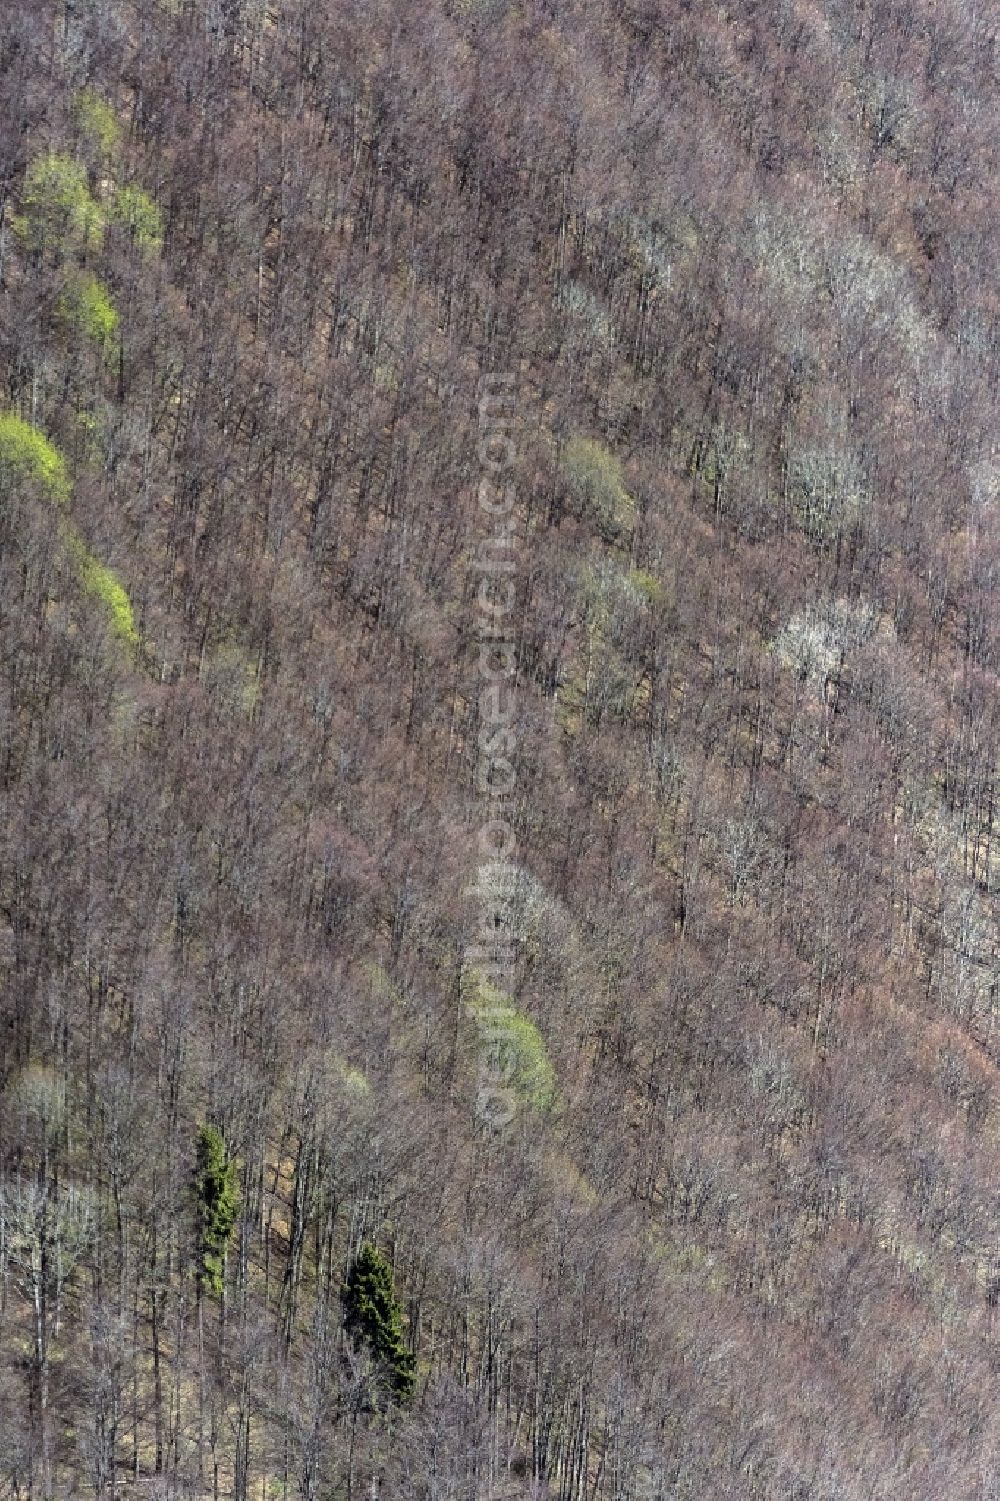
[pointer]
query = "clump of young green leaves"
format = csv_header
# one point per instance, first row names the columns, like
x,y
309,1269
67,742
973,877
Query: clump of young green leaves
x,y
103,583
515,1045
25,453
136,212
596,482
87,308
97,122
59,212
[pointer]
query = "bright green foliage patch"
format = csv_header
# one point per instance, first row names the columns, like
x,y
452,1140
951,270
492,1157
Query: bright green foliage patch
x,y
596,480
133,208
29,454
87,307
514,1043
59,211
372,1316
648,585
216,1205
98,579
97,121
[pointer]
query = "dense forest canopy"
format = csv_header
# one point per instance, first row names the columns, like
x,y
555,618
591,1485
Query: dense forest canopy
x,y
730,938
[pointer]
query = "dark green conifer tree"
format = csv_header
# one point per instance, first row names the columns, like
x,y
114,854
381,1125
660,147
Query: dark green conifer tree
x,y
216,1205
373,1316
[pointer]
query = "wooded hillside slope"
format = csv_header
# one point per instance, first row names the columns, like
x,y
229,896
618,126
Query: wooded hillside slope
x,y
740,1239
